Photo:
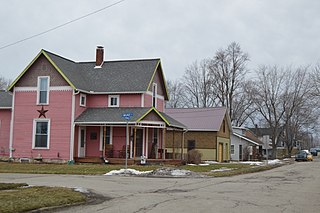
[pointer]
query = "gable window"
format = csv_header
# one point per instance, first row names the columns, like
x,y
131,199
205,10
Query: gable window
x,y
43,90
114,100
41,133
83,100
154,95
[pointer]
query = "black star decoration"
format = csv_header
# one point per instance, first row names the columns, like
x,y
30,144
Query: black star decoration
x,y
42,112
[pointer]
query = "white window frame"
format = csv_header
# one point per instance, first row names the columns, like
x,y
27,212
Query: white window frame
x,y
85,100
38,90
114,96
35,121
232,149
154,94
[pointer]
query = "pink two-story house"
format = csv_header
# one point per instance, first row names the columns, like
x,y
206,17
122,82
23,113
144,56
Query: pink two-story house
x,y
65,110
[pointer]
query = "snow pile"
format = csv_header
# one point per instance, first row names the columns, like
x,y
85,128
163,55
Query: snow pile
x,y
82,190
171,172
210,162
223,169
274,162
127,172
259,163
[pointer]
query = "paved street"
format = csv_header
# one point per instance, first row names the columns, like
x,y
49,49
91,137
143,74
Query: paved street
x,y
290,188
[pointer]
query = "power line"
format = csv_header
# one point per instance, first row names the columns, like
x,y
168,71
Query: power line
x,y
61,25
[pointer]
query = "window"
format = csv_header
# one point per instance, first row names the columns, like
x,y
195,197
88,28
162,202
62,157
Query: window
x,y
232,149
113,100
224,125
43,90
154,95
107,132
41,129
83,100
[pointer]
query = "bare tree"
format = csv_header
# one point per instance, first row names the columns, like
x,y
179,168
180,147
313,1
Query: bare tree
x,y
242,105
266,95
228,69
176,94
198,85
4,83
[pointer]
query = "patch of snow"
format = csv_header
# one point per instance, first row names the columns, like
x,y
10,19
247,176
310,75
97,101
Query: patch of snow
x,y
81,189
180,172
210,162
252,163
274,162
222,169
126,171
201,164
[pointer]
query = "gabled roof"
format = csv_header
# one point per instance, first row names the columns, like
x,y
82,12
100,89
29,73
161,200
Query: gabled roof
x,y
200,119
257,143
5,100
113,115
124,76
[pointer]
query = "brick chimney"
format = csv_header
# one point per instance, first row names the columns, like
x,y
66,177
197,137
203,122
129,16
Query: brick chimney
x,y
99,56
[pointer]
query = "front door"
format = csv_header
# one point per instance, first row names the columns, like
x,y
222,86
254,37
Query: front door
x,y
139,142
220,152
82,142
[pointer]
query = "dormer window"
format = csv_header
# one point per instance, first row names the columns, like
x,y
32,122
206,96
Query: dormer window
x,y
83,100
154,95
113,101
43,90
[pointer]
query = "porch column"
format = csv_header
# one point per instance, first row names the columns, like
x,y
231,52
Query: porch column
x,y
173,150
134,142
182,145
103,141
163,143
146,143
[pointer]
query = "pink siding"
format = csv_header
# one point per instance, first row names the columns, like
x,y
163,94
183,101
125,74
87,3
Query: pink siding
x,y
93,145
130,100
160,105
78,109
148,102
97,100
59,113
5,117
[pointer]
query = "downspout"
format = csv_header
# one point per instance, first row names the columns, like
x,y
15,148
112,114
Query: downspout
x,y
11,126
71,158
184,132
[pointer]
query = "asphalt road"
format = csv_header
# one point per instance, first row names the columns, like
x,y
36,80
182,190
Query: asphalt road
x,y
290,188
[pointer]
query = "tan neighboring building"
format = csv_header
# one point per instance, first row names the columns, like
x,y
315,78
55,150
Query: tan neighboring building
x,y
208,131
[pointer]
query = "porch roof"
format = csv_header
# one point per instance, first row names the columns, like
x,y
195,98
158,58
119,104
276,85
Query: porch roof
x,y
114,115
5,100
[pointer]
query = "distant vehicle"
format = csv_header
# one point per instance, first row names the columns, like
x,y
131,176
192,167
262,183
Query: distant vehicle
x,y
314,151
303,155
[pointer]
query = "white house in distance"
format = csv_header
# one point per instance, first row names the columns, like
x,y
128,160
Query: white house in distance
x,y
244,145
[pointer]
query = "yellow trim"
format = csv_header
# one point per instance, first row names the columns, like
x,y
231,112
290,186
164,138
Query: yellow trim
x,y
156,111
59,70
164,80
32,62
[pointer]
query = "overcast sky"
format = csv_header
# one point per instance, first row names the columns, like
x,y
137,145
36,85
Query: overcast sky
x,y
272,32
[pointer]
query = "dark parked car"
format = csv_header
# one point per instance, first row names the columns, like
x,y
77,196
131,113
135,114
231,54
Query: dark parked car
x,y
314,151
303,155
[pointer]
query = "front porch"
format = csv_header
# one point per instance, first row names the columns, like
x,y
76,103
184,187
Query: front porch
x,y
106,134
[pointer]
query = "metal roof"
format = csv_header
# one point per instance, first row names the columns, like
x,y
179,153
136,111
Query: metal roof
x,y
199,119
